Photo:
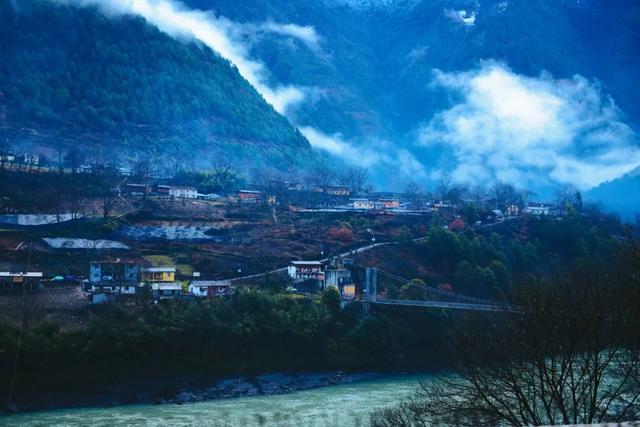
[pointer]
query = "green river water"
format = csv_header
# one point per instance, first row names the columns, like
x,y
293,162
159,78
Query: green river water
x,y
341,405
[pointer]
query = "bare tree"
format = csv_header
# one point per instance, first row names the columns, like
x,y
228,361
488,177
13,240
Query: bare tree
x,y
566,197
74,159
414,194
356,179
444,186
321,174
569,355
506,194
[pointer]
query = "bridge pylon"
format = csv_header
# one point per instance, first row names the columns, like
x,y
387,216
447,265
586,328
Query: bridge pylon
x,y
372,284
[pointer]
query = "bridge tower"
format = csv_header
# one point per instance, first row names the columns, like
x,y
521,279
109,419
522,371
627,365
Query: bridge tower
x,y
372,284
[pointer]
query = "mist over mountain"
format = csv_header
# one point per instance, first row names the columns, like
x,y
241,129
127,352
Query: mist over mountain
x,y
407,79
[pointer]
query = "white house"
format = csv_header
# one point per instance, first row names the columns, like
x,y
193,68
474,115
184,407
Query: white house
x,y
183,192
539,209
114,288
364,204
208,288
305,270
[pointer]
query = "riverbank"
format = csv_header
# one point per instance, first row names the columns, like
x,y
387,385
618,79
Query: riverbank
x,y
189,391
342,405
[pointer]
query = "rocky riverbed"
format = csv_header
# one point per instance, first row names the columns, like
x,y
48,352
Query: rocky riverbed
x,y
179,392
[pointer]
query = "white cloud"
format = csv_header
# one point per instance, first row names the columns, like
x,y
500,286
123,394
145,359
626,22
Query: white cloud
x,y
305,34
377,155
215,32
531,131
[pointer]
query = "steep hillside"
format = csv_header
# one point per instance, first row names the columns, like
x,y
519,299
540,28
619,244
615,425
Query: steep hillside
x,y
73,77
621,195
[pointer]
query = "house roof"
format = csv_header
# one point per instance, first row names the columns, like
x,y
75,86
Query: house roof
x,y
539,205
166,286
85,244
211,283
160,270
306,262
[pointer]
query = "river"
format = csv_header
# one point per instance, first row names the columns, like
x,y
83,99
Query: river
x,y
340,405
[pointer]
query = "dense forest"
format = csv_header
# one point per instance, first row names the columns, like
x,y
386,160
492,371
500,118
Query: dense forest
x,y
72,76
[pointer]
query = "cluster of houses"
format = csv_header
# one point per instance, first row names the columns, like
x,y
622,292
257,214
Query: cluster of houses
x,y
531,208
164,191
120,279
109,280
25,159
322,274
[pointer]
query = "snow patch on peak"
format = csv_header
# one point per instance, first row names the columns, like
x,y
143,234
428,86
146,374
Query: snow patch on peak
x,y
464,17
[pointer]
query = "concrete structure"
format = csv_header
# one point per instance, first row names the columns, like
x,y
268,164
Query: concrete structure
x,y
513,210
11,279
135,189
300,271
159,274
30,159
183,192
390,203
210,288
335,190
164,291
539,209
114,277
249,196
294,186
338,276
364,204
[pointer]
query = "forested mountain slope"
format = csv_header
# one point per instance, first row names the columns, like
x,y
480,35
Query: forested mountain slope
x,y
73,77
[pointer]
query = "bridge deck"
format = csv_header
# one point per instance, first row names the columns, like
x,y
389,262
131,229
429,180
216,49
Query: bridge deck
x,y
445,305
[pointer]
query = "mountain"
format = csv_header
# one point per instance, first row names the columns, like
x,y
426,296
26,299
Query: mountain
x,y
621,195
378,56
73,77
373,76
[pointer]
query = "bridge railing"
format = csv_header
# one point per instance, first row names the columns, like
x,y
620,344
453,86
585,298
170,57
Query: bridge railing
x,y
387,288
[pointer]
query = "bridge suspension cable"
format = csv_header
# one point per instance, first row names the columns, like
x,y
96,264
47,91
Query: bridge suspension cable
x,y
387,288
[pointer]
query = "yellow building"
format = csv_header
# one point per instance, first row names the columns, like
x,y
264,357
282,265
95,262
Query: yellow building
x,y
159,274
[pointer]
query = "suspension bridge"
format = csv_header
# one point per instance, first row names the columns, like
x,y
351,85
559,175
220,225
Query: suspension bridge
x,y
388,289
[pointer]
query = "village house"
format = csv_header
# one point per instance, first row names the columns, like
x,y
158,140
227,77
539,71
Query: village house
x,y
249,196
334,190
390,203
135,189
271,199
301,271
513,210
183,192
30,159
210,288
539,209
294,186
163,190
159,274
338,276
113,277
165,291
9,158
12,279
364,204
